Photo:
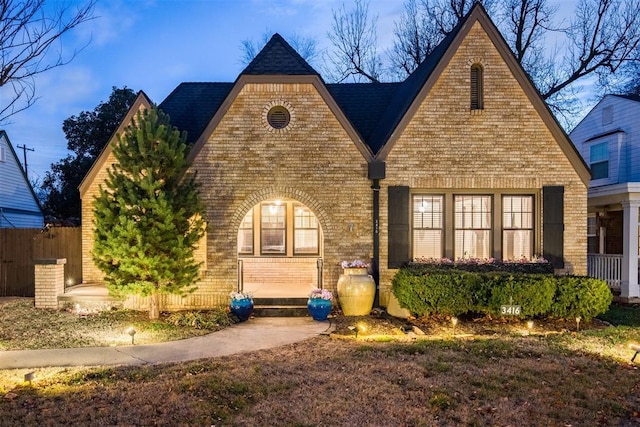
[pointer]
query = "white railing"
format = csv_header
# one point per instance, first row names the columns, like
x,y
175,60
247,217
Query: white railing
x,y
606,267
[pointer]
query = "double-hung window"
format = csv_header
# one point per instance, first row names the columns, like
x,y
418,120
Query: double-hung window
x,y
245,234
517,227
599,160
427,226
273,229
305,231
472,233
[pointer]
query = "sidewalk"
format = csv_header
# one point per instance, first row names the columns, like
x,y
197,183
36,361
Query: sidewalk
x,y
255,334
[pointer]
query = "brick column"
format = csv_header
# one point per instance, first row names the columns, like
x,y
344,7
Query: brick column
x,y
49,278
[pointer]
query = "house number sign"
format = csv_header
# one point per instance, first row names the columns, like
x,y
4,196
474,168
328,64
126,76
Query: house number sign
x,y
510,310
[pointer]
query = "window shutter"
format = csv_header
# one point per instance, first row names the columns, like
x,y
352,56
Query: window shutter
x,y
399,220
553,225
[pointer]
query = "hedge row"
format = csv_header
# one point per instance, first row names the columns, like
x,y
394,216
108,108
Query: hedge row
x,y
455,292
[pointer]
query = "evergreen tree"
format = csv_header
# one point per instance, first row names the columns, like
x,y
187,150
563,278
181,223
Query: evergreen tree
x,y
148,216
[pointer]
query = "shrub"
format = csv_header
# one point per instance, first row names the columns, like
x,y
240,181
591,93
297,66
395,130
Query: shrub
x,y
581,296
532,292
209,319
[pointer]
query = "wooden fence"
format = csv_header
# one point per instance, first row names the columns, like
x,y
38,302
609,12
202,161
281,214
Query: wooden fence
x,y
20,247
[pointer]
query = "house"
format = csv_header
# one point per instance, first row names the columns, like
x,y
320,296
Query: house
x,y
608,139
462,159
19,207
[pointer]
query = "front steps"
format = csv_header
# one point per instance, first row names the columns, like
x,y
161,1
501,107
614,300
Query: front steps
x,y
280,307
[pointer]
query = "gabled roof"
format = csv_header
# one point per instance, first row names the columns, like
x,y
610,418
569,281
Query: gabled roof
x,y
192,105
629,97
3,135
278,57
141,101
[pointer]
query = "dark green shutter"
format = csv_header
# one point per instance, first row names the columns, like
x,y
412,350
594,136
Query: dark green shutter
x,y
553,225
399,230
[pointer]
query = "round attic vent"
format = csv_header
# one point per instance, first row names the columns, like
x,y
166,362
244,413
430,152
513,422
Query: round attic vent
x,y
278,117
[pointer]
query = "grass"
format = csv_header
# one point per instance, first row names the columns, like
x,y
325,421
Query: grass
x,y
24,327
552,376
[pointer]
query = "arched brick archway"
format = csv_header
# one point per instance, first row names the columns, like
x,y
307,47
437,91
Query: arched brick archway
x,y
288,274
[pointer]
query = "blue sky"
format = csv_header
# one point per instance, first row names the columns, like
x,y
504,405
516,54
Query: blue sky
x,y
154,45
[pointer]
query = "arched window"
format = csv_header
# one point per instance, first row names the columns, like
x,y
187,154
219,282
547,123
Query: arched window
x,y
477,101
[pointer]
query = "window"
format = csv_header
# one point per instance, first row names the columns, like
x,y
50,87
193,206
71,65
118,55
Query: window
x,y
517,227
599,160
305,231
477,102
273,228
592,234
245,234
427,226
607,115
472,234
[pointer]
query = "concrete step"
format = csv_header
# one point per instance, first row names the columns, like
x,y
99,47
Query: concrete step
x,y
280,307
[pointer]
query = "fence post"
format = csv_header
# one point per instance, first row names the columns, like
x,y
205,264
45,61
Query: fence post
x,y
49,281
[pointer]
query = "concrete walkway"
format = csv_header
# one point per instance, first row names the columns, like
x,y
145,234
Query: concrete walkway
x,y
255,334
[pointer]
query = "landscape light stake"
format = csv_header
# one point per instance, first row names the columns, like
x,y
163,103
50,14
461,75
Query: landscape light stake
x,y
636,348
578,318
131,331
454,322
29,377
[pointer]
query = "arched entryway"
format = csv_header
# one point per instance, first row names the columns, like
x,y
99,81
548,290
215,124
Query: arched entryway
x,y
280,246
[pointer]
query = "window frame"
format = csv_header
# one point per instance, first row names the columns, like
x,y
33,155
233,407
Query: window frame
x,y
269,204
531,229
490,229
297,206
413,222
252,230
599,162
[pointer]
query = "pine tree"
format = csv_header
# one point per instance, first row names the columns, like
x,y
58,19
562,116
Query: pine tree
x,y
148,215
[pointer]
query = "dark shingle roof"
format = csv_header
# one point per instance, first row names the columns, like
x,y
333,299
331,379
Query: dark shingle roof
x,y
363,103
278,57
407,92
630,97
192,105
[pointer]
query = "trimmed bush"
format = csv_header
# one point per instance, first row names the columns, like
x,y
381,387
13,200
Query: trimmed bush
x,y
581,296
454,292
532,292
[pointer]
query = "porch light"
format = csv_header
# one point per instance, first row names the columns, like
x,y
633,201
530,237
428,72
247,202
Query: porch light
x,y
131,331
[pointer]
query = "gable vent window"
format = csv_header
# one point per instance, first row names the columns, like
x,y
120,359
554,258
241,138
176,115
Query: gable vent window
x,y
607,115
477,101
278,117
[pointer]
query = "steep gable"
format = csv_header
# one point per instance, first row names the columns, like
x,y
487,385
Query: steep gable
x,y
279,58
19,206
426,76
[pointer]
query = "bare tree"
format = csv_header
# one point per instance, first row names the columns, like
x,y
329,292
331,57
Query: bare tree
x,y
29,31
599,41
354,45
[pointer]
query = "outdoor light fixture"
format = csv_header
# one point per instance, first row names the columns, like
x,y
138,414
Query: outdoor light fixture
x,y
636,348
29,377
530,324
578,318
454,322
131,331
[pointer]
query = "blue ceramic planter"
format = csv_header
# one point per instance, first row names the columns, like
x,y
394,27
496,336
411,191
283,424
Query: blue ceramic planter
x,y
319,308
242,308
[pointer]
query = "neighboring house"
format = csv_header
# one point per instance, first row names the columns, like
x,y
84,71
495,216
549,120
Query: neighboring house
x,y
608,139
462,159
19,207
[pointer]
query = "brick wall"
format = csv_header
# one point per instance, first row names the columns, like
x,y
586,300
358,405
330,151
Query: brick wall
x,y
506,146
